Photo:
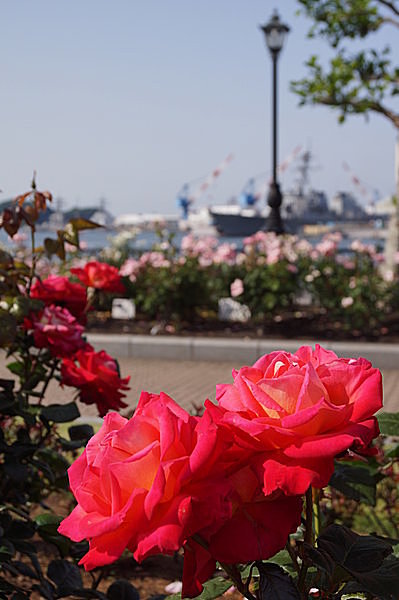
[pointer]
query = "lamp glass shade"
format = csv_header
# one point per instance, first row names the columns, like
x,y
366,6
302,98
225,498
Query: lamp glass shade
x,y
275,33
275,39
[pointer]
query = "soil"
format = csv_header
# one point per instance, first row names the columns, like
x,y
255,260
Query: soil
x,y
314,326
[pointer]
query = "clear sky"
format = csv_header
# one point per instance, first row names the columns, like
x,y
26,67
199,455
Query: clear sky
x,y
129,99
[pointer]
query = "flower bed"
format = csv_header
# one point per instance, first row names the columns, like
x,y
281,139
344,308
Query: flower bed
x,y
275,487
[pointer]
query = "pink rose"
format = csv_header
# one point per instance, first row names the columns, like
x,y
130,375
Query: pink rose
x,y
236,288
160,481
56,329
301,410
144,483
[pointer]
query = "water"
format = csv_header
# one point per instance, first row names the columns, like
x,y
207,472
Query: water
x,y
97,239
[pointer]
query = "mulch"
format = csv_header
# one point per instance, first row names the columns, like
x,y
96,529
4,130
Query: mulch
x,y
289,326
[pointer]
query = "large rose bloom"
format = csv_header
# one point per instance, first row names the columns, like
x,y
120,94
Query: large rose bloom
x,y
258,527
301,410
96,376
152,483
139,482
59,290
56,329
100,276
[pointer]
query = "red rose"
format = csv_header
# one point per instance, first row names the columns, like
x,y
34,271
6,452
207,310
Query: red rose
x,y
62,292
96,375
56,329
302,410
101,276
152,483
257,529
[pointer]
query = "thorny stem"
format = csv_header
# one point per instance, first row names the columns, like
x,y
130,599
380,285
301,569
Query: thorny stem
x,y
309,517
47,380
235,576
308,538
33,265
316,512
293,556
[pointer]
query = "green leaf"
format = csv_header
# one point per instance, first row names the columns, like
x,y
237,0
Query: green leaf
x,y
122,590
212,589
367,559
389,423
276,583
61,413
8,328
80,432
47,526
80,224
54,247
47,520
283,559
393,453
17,368
355,553
382,582
65,575
20,530
355,481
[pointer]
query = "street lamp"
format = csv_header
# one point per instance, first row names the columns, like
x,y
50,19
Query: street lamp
x,y
275,32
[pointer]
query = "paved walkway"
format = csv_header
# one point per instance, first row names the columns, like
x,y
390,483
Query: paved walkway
x,y
187,382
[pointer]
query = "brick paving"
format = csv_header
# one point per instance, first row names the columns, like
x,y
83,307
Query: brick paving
x,y
188,382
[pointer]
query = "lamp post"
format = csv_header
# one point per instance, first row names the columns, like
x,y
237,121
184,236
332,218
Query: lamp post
x,y
275,32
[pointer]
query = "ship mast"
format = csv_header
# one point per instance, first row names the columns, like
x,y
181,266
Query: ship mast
x,y
303,170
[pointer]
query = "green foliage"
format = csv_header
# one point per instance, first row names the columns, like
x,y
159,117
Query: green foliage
x,y
276,583
354,83
357,482
33,457
268,288
361,18
344,556
178,292
351,291
389,423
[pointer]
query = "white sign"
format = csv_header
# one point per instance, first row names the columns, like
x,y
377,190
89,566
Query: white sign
x,y
123,308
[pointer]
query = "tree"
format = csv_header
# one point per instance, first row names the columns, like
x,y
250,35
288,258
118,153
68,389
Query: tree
x,y
353,83
358,82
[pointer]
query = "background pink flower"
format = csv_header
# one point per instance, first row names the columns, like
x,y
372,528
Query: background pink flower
x,y
236,288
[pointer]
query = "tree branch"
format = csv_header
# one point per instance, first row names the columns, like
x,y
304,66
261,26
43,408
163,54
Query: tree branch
x,y
389,5
390,21
374,106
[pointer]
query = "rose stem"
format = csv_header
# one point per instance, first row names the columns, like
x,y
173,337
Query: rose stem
x,y
292,554
316,511
234,574
308,537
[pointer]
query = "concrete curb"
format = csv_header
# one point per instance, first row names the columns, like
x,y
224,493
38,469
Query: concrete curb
x,y
383,356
